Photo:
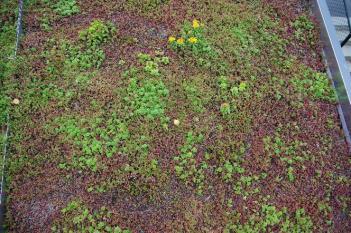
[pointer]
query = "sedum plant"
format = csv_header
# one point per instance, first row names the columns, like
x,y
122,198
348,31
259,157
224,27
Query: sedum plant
x,y
66,7
97,33
76,217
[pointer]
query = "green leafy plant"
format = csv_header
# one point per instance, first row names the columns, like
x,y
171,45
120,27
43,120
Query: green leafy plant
x,y
39,94
291,174
194,96
151,64
269,218
146,94
301,223
230,92
315,85
141,168
223,83
80,56
244,185
137,174
304,29
97,33
229,169
225,109
145,5
237,90
82,59
326,210
51,91
94,138
145,169
147,98
76,217
228,164
45,23
241,32
198,93
186,168
66,7
286,152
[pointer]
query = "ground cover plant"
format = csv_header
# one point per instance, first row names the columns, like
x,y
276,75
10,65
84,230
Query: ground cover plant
x,y
171,116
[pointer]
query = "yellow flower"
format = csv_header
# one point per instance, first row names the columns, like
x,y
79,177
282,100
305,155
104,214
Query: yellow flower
x,y
171,39
196,24
180,41
193,40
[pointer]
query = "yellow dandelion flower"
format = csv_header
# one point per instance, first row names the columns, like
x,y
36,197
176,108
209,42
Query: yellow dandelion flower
x,y
180,41
196,24
171,39
193,40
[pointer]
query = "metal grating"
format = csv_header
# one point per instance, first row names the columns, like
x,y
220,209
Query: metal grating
x,y
340,11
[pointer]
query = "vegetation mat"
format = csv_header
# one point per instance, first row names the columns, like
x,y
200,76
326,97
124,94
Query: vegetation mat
x,y
171,116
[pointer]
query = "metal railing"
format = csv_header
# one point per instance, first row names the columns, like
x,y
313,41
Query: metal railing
x,y
335,59
340,10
